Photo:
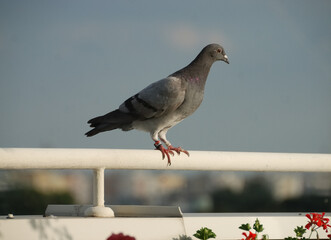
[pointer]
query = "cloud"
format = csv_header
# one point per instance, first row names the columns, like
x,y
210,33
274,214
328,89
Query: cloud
x,y
182,36
187,36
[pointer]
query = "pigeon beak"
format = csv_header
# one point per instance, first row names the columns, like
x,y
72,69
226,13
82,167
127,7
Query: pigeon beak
x,y
226,59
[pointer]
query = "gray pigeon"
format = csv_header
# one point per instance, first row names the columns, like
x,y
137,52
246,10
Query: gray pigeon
x,y
164,103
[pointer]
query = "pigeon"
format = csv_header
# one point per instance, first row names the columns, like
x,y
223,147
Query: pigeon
x,y
164,103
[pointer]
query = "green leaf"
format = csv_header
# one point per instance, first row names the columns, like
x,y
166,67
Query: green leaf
x,y
257,226
245,227
265,237
204,233
299,231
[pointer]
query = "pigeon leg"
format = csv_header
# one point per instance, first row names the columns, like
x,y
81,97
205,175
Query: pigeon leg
x,y
164,151
178,150
162,136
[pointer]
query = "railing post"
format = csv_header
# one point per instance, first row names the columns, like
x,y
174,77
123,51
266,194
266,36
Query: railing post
x,y
99,209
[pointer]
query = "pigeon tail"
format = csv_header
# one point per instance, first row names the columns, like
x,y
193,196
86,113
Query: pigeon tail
x,y
110,121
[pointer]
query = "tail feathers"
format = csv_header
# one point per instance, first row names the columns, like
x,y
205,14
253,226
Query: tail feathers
x,y
102,128
110,121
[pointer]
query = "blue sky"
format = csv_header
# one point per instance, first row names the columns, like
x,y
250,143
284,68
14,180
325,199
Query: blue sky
x,y
64,62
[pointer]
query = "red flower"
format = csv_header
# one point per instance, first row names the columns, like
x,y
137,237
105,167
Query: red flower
x,y
329,236
251,236
318,220
120,236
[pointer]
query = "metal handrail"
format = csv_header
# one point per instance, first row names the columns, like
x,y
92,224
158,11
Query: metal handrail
x,y
100,159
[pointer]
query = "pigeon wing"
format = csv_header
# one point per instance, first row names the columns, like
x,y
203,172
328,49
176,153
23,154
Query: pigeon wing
x,y
159,98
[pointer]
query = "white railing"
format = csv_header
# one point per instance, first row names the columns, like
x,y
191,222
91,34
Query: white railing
x,y
100,159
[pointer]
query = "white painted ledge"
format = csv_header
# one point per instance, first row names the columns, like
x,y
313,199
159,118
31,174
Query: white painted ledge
x,y
225,225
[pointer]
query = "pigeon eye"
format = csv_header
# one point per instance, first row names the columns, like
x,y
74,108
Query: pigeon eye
x,y
219,50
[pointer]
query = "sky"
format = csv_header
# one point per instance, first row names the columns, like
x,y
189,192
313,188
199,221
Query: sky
x,y
65,62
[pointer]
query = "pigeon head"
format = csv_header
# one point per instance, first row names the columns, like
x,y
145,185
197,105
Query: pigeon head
x,y
215,52
200,66
210,54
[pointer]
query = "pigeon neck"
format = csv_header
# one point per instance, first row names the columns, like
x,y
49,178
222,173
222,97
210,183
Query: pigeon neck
x,y
196,72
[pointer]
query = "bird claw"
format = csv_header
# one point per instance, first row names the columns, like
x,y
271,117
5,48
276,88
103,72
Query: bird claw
x,y
165,152
178,150
169,151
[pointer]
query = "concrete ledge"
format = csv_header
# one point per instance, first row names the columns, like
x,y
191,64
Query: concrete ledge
x,y
79,228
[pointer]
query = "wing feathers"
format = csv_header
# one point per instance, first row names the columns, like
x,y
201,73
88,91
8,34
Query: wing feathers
x,y
144,103
158,98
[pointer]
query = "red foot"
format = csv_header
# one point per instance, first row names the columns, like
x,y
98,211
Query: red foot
x,y
165,152
178,150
